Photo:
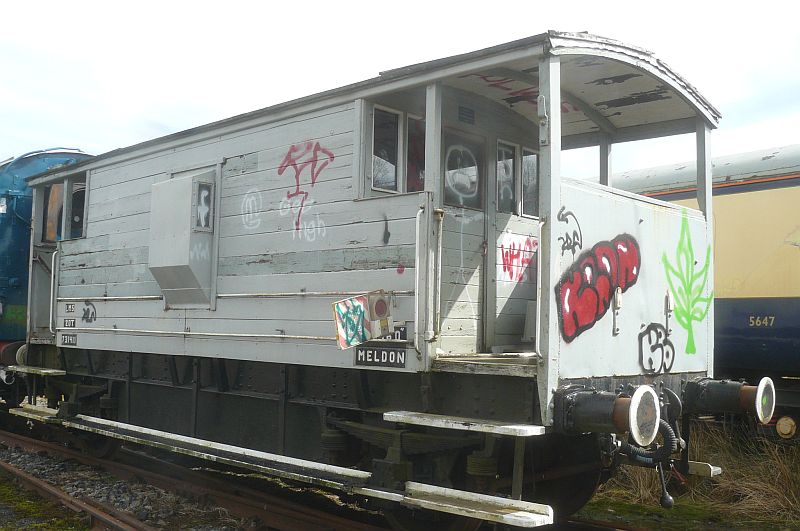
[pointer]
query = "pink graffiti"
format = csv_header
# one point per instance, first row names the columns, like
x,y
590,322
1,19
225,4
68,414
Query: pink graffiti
x,y
586,289
300,157
517,257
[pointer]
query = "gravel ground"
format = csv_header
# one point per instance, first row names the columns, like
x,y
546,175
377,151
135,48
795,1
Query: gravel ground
x,y
149,504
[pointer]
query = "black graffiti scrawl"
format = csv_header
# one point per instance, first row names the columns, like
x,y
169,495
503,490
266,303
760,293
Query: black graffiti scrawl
x,y
656,351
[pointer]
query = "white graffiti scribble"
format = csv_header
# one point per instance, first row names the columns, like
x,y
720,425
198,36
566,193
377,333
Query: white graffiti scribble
x,y
252,204
310,230
461,177
199,251
464,216
290,206
304,230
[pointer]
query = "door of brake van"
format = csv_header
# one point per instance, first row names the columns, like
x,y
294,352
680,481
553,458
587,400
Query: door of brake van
x,y
57,216
490,243
463,243
47,214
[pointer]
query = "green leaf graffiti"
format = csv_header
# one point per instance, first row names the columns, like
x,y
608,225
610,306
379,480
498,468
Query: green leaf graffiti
x,y
687,284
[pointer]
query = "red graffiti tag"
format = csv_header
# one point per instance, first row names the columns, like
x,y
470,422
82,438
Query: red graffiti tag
x,y
300,157
516,95
517,257
587,288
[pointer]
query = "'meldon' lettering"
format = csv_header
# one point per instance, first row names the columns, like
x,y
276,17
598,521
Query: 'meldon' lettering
x,y
381,357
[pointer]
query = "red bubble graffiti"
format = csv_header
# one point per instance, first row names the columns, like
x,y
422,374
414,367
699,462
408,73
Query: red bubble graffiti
x,y
299,157
586,289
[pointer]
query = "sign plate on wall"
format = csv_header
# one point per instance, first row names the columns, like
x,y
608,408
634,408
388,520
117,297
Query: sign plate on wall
x,y
381,357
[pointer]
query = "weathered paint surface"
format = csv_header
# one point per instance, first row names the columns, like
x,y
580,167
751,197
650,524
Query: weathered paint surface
x,y
624,244
287,224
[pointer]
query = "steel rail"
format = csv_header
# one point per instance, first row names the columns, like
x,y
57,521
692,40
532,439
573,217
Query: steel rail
x,y
274,511
98,512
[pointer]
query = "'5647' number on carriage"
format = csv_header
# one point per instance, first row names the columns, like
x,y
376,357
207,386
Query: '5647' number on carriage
x,y
757,320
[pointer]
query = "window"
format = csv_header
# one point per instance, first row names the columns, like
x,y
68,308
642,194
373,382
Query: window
x,y
52,211
203,206
384,149
506,178
398,151
463,178
78,206
530,183
415,155
55,200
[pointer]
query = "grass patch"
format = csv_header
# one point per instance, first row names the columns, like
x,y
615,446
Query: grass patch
x,y
30,511
758,489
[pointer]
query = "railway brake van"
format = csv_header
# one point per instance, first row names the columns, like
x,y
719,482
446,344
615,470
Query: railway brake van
x,y
388,289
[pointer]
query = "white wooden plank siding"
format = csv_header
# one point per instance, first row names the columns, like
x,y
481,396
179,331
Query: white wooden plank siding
x,y
462,278
343,245
516,254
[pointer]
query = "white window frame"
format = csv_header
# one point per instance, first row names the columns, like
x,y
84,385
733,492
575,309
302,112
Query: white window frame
x,y
521,203
401,142
404,175
517,206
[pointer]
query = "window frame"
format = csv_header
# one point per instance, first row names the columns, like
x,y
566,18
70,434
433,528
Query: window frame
x,y
516,203
69,186
400,166
483,164
408,117
522,153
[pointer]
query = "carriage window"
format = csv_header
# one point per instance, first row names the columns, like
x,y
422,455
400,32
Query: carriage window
x,y
506,178
78,205
415,155
530,183
51,212
463,180
384,149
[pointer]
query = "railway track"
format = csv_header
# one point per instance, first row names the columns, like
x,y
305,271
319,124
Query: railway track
x,y
274,512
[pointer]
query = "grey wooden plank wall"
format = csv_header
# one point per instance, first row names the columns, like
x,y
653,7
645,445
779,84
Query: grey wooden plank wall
x,y
516,251
462,280
288,222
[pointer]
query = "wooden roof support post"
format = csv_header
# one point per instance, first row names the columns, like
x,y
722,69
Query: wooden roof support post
x,y
433,142
549,105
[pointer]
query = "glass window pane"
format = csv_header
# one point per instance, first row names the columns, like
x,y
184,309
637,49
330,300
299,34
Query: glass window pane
x,y
463,182
78,205
506,156
530,183
415,161
384,150
51,215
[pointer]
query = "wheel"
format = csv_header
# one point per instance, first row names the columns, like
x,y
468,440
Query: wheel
x,y
21,356
98,446
405,519
567,471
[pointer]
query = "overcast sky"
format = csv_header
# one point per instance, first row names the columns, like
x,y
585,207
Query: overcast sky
x,y
104,75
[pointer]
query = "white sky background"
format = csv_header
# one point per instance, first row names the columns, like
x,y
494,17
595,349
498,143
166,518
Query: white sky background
x,y
104,75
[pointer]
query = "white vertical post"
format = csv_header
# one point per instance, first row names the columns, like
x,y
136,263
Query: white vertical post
x,y
549,203
605,159
361,133
433,141
66,211
705,202
429,284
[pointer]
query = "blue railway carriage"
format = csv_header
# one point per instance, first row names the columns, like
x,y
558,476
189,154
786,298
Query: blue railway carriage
x,y
15,229
756,267
389,289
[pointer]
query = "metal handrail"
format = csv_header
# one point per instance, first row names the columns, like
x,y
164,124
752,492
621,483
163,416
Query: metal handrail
x,y
51,324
